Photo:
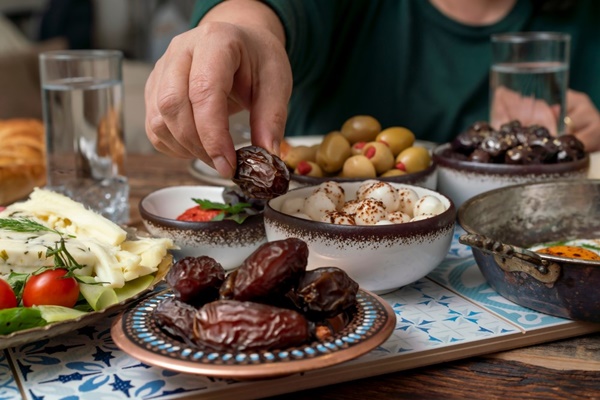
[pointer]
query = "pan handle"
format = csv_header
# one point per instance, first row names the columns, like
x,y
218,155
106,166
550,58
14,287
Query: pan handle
x,y
513,258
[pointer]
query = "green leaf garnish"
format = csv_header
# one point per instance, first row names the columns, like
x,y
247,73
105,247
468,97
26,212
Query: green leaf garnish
x,y
24,225
237,212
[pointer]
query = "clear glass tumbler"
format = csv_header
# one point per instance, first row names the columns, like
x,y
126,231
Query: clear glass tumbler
x,y
82,98
529,79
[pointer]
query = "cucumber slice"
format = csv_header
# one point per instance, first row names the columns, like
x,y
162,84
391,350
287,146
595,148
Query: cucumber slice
x,y
58,313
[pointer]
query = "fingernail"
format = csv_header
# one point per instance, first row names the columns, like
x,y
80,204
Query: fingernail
x,y
223,167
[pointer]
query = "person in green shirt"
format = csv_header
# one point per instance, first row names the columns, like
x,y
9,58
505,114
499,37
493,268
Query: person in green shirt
x,y
305,66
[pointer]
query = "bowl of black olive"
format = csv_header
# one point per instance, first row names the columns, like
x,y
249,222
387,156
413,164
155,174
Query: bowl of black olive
x,y
483,158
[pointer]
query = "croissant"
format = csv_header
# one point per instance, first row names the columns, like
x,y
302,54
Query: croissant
x,y
22,158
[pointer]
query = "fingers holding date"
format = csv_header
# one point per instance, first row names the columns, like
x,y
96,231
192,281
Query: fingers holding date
x,y
270,302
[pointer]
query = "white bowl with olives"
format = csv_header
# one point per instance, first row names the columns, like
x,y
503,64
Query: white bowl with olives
x,y
361,149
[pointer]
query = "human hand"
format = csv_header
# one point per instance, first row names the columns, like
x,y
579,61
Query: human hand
x,y
583,120
509,105
209,73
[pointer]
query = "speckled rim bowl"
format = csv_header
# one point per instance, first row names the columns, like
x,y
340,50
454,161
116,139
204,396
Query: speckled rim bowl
x,y
426,178
380,258
228,242
460,180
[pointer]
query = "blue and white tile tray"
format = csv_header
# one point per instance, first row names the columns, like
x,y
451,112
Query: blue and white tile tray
x,y
446,316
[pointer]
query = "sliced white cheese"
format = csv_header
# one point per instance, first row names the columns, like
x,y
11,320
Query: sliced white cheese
x,y
68,216
26,253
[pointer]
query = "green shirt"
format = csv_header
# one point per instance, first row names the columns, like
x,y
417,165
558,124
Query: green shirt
x,y
406,63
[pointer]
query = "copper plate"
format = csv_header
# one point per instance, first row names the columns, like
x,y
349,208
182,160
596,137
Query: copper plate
x,y
137,334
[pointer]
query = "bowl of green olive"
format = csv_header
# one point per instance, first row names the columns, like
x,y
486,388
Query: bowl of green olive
x,y
361,149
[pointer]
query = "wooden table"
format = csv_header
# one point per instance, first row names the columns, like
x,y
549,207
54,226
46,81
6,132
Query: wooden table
x,y
566,369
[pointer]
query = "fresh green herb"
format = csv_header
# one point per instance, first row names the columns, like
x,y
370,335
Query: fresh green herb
x,y
17,282
590,247
237,212
24,225
59,253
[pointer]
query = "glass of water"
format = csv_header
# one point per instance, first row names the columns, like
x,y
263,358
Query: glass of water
x,y
82,98
529,79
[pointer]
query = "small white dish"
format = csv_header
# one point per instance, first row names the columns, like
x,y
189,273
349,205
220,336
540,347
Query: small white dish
x,y
226,241
381,258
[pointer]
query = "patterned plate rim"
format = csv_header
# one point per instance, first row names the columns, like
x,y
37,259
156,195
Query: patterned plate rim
x,y
135,332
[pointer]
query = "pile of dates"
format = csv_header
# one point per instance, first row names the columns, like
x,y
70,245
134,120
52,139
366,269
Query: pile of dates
x,y
271,301
514,143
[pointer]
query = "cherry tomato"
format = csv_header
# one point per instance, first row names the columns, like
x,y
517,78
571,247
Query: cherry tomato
x,y
7,296
51,288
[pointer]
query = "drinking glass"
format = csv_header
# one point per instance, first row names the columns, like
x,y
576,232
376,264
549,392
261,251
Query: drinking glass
x,y
529,79
82,99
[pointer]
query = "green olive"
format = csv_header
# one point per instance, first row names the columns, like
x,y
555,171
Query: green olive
x,y
361,128
332,152
358,166
397,138
295,154
414,159
380,156
308,168
393,172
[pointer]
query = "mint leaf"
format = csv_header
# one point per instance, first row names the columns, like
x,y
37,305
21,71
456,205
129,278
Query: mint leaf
x,y
237,212
230,209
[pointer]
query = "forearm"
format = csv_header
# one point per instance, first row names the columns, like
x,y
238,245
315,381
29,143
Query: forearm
x,y
251,13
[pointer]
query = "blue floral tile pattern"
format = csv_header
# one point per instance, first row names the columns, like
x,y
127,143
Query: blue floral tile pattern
x,y
450,309
8,385
459,272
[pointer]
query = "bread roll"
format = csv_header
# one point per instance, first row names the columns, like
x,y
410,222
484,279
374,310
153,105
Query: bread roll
x,y
22,158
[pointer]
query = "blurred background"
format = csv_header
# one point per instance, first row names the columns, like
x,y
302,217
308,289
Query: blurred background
x,y
142,29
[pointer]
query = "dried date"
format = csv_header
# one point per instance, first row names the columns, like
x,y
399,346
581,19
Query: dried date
x,y
326,292
259,174
226,289
271,270
230,325
176,317
196,280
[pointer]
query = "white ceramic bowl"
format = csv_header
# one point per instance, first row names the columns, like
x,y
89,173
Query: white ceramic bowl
x,y
460,180
381,258
228,242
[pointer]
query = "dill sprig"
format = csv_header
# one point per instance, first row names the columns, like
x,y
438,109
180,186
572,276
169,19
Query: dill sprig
x,y
24,225
61,256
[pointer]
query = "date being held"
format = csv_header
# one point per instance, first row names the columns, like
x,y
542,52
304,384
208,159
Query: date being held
x,y
269,302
